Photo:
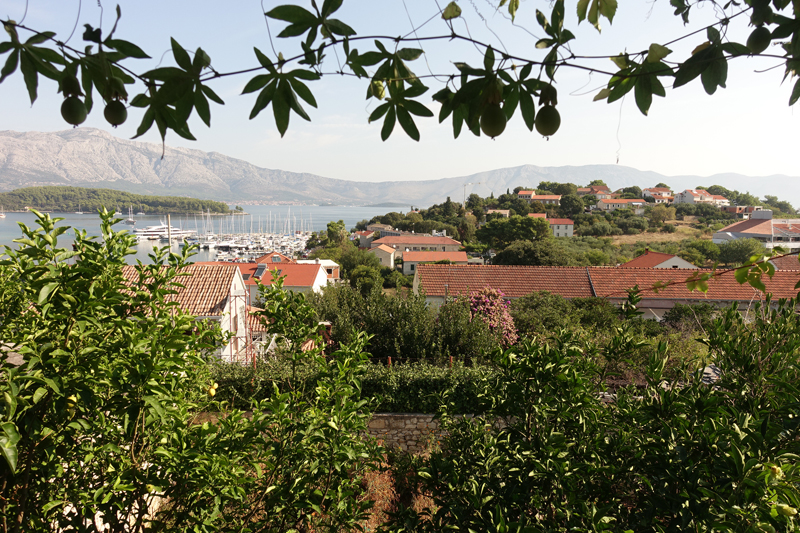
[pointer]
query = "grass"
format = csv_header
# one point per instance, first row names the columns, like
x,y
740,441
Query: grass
x,y
684,232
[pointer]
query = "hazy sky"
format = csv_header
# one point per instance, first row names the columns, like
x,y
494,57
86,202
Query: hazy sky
x,y
747,128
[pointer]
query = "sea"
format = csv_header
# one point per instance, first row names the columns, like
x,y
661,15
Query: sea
x,y
257,219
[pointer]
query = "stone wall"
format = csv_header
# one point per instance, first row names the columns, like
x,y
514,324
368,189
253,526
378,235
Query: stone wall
x,y
411,432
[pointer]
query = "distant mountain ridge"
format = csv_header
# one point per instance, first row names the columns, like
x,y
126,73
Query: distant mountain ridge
x,y
86,157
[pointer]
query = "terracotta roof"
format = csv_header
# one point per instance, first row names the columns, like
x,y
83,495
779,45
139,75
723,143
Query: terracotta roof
x,y
364,233
718,197
537,215
383,248
755,226
513,281
267,258
296,275
621,201
526,193
565,221
611,282
456,257
786,262
205,288
546,197
607,282
255,323
787,230
648,260
658,189
414,239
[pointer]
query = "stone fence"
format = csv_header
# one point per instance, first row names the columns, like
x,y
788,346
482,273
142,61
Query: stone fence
x,y
411,432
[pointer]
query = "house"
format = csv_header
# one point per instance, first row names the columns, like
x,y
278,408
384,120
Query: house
x,y
419,243
331,267
600,192
385,255
384,230
505,213
658,260
215,292
274,257
786,262
657,193
613,204
412,259
700,196
784,232
304,278
561,227
660,289
548,199
364,238
743,212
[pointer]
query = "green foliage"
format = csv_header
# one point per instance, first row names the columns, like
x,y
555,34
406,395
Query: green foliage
x,y
738,251
571,204
501,232
108,412
691,316
548,455
68,199
541,253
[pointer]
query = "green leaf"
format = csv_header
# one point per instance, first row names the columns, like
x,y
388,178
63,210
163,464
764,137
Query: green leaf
x,y
256,83
379,112
181,56
5,46
264,99
643,94
405,120
45,292
212,95
415,108
8,444
265,61
527,108
330,6
602,95
795,93
29,74
303,91
339,28
39,394
281,106
451,11
201,106
513,6
409,54
693,67
10,66
488,59
127,48
50,505
657,52
292,14
388,124
40,38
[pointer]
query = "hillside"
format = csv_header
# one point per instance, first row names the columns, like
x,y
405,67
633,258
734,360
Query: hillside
x,y
85,157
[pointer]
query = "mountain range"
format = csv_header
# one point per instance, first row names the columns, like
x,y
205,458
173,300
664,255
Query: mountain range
x,y
86,157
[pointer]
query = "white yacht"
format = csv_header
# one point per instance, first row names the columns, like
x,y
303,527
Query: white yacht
x,y
154,233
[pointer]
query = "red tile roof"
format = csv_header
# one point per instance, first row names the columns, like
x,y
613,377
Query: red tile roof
x,y
564,221
526,193
537,215
546,197
621,201
610,282
786,262
606,282
754,225
415,239
267,258
455,257
658,189
297,275
255,324
205,288
383,248
513,281
648,260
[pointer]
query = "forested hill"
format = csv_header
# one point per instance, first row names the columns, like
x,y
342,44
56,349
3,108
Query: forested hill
x,y
69,199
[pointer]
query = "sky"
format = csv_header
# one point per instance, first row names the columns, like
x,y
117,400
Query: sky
x,y
747,128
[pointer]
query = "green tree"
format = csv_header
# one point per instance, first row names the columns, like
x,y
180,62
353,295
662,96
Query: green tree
x,y
538,253
599,183
501,232
337,233
738,251
661,213
571,204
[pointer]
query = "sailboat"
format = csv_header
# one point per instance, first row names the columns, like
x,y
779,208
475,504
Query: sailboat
x,y
130,220
79,212
2,213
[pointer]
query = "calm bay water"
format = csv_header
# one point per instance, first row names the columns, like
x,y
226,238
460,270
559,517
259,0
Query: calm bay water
x,y
260,218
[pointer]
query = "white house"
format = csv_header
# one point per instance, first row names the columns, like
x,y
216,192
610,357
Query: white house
x,y
385,255
412,259
700,196
781,232
613,204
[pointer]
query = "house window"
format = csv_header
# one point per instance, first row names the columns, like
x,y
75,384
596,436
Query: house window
x,y
329,271
276,259
443,248
412,267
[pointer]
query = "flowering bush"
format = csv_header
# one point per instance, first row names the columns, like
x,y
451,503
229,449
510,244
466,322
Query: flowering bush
x,y
491,306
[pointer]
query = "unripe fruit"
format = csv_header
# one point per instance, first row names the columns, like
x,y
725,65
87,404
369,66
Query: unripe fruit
x,y
759,40
216,386
547,120
115,113
786,510
493,120
73,111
